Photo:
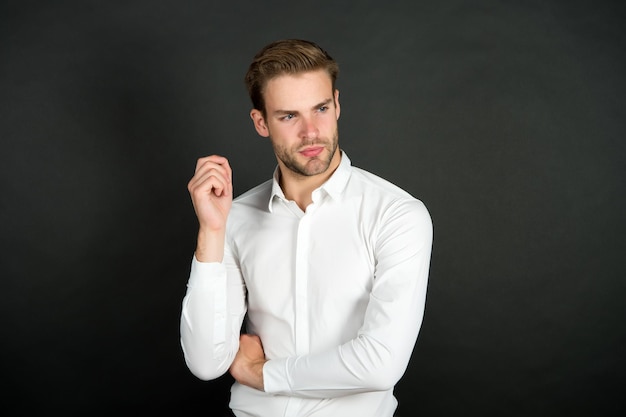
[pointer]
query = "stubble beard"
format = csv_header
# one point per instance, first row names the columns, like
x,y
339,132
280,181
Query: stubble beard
x,y
313,166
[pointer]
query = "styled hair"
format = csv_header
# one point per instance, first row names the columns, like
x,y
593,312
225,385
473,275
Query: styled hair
x,y
286,57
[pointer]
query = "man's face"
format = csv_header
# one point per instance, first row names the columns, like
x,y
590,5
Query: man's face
x,y
301,121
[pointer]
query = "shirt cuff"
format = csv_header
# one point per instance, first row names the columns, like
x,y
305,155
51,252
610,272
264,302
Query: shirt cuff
x,y
275,379
206,274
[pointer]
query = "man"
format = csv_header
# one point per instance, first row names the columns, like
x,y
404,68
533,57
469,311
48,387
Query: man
x,y
327,263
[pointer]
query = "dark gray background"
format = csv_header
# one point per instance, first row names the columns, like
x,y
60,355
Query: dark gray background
x,y
506,118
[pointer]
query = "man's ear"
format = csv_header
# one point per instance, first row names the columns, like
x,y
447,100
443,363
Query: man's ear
x,y
259,123
337,106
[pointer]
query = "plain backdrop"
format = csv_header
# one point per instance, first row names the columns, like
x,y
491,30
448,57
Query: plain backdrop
x,y
506,118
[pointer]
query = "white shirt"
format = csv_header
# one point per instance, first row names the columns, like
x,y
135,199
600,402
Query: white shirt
x,y
336,294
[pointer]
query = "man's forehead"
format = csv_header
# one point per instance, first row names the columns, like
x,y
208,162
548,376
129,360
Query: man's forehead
x,y
302,89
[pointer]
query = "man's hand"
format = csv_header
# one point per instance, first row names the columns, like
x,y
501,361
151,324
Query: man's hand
x,y
247,368
211,191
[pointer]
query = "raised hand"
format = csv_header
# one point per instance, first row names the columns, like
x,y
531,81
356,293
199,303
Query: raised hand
x,y
211,191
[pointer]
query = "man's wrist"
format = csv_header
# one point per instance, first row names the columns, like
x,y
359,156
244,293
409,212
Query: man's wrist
x,y
250,374
259,375
210,246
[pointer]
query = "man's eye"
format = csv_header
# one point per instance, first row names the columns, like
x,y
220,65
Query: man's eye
x,y
323,109
288,116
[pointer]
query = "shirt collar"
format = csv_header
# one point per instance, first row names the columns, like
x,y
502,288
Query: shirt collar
x,y
334,186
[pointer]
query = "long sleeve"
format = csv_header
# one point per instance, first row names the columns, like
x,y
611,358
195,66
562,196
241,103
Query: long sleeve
x,y
212,312
378,356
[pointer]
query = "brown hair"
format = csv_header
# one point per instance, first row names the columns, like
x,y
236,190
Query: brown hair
x,y
288,56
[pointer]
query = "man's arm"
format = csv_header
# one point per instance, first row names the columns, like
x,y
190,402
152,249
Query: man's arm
x,y
212,313
213,307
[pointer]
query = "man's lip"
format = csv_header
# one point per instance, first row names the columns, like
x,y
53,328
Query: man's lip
x,y
312,151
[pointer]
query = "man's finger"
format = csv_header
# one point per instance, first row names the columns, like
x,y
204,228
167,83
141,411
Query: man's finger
x,y
216,162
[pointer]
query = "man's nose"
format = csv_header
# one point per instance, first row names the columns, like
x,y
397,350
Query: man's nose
x,y
309,128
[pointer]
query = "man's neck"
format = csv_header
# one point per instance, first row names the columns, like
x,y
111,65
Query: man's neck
x,y
299,188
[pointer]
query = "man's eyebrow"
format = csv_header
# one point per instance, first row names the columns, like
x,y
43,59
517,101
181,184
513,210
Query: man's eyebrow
x,y
279,112
323,103
317,106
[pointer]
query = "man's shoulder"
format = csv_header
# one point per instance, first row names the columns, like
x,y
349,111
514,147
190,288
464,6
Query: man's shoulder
x,y
373,183
257,196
